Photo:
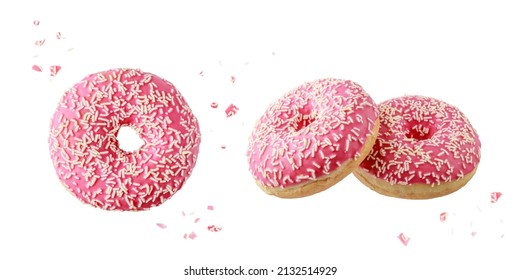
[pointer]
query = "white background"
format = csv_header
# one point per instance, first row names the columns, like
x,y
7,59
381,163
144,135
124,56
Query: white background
x,y
465,53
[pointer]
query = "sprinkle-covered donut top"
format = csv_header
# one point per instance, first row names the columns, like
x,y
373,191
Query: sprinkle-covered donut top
x,y
310,131
85,151
422,140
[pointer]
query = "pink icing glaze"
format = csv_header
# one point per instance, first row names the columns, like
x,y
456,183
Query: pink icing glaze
x,y
85,151
310,131
422,140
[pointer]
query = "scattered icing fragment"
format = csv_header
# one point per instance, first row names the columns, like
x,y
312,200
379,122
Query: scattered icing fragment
x,y
231,110
36,22
443,217
161,225
54,70
223,147
36,68
39,43
404,239
214,105
473,233
214,228
58,35
196,222
233,79
495,196
201,73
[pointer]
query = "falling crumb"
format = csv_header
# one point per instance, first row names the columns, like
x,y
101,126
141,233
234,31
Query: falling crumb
x,y
223,147
192,213
404,239
210,207
161,225
70,49
185,236
192,235
36,68
54,70
233,79
36,22
231,110
473,233
39,43
201,73
196,220
443,217
273,53
214,228
58,35
495,196
214,105
183,213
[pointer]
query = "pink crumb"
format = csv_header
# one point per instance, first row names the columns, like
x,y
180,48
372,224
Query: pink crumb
x,y
36,68
39,42
54,70
36,22
404,239
231,110
214,105
201,73
210,207
185,236
473,233
233,79
196,220
161,225
223,147
58,35
495,196
214,228
443,217
192,235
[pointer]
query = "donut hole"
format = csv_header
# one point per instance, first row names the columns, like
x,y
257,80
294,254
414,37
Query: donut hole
x,y
305,117
303,122
419,130
128,139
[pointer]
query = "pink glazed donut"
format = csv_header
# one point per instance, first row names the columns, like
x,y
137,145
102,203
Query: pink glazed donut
x,y
312,137
426,148
85,151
